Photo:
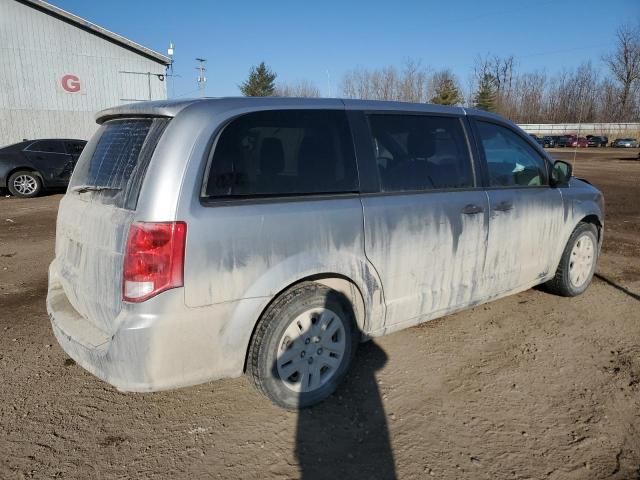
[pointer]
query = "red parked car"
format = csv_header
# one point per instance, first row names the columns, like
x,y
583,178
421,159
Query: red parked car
x,y
580,142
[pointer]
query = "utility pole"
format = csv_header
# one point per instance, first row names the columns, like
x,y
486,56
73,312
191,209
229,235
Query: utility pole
x,y
202,80
170,70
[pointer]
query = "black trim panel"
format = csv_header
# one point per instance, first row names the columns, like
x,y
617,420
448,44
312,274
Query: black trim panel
x,y
367,170
268,199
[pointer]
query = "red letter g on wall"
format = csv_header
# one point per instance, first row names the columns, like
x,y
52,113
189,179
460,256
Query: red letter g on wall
x,y
70,83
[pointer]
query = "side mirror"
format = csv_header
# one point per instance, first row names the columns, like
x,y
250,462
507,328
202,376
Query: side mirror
x,y
561,173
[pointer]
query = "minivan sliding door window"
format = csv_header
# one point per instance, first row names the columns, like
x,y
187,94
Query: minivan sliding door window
x,y
420,152
283,153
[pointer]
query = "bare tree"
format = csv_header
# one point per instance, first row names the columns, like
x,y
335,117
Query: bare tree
x,y
500,72
579,94
413,82
387,83
301,88
529,97
481,69
607,101
356,84
624,64
572,95
384,84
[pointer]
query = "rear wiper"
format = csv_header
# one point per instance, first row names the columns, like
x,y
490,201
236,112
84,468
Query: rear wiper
x,y
92,188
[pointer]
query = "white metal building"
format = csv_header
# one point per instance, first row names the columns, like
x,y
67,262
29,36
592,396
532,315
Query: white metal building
x,y
611,129
58,70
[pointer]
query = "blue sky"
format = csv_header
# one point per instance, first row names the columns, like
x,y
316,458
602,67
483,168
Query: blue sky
x,y
304,40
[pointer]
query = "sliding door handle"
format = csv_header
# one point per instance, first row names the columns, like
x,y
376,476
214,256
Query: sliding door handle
x,y
472,209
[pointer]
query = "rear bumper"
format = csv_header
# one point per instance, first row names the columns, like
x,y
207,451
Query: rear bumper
x,y
157,345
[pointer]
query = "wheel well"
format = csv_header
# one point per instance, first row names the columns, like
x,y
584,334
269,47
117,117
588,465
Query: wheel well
x,y
339,283
594,220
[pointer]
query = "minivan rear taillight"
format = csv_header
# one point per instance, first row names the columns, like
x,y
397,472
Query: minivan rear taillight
x,y
153,259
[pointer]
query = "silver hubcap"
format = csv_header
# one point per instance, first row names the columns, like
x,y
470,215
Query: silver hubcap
x,y
311,350
25,184
581,261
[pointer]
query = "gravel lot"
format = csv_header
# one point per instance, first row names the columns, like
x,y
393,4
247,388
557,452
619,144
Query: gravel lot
x,y
531,386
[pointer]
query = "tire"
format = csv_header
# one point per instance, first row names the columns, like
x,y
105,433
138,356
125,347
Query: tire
x,y
288,341
578,262
24,184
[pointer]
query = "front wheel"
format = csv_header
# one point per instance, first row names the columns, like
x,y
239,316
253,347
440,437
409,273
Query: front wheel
x,y
578,262
302,346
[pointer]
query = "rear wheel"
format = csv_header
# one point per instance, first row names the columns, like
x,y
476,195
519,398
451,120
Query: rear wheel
x,y
578,262
302,346
25,184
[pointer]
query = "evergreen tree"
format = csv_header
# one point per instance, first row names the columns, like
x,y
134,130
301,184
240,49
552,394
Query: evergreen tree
x,y
261,82
485,97
445,89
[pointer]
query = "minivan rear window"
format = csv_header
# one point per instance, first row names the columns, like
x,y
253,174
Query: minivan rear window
x,y
283,153
113,164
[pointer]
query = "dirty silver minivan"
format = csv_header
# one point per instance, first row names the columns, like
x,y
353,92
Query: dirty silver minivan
x,y
200,239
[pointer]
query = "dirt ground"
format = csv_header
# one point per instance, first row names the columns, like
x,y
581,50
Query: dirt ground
x,y
531,386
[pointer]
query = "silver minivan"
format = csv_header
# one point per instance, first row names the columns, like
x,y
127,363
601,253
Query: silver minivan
x,y
200,239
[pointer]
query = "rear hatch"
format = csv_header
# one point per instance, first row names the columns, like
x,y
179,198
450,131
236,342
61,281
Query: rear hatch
x,y
95,215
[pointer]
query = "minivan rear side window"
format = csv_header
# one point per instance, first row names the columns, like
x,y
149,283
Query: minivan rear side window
x,y
113,164
420,152
283,152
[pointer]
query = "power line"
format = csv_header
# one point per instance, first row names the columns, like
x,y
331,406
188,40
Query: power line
x,y
186,93
565,50
441,26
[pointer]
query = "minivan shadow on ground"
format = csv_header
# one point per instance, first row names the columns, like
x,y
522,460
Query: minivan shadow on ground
x,y
346,436
630,158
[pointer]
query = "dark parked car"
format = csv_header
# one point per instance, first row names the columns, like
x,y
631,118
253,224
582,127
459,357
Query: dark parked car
x,y
597,141
550,141
537,139
625,143
28,167
564,140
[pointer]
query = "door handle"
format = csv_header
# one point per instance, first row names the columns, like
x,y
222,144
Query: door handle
x,y
472,209
503,206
